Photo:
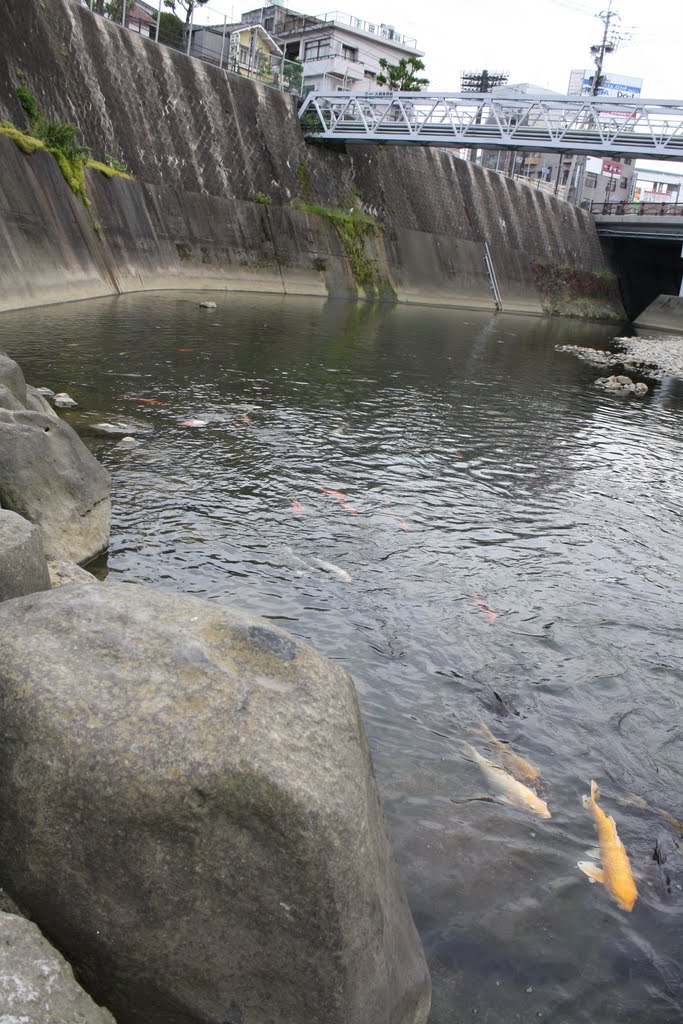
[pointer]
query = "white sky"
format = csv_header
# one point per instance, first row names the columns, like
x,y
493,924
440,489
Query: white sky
x,y
537,41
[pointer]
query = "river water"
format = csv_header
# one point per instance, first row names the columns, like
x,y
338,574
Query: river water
x,y
506,527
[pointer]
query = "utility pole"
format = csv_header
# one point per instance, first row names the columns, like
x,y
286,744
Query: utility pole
x,y
608,44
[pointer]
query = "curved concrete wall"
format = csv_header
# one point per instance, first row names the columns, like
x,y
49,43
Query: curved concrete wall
x,y
201,144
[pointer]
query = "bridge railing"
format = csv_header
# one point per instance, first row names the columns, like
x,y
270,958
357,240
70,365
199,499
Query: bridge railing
x,y
635,209
590,125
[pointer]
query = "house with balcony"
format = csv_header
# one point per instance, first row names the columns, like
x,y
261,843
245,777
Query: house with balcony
x,y
243,49
337,51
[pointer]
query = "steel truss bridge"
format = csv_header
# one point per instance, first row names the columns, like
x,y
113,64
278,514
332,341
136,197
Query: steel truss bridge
x,y
588,125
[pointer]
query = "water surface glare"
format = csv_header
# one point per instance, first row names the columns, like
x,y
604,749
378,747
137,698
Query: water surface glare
x,y
506,528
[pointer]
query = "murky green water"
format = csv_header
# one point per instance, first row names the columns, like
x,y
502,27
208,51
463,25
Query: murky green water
x,y
515,530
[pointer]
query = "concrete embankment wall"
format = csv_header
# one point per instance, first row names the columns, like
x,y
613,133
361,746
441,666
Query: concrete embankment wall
x,y
202,144
664,314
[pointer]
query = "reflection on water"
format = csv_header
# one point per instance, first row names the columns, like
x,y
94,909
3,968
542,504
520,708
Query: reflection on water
x,y
508,530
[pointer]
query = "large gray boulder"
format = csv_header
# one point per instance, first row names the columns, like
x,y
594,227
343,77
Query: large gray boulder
x,y
188,809
37,986
23,568
12,380
47,474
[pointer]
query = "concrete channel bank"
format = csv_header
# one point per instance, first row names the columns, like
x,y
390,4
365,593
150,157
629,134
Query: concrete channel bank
x,y
203,145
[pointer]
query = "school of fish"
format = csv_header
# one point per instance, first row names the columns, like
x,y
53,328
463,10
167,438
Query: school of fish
x,y
517,782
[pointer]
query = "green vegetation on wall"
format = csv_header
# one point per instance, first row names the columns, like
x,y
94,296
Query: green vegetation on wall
x,y
353,228
571,291
304,180
61,140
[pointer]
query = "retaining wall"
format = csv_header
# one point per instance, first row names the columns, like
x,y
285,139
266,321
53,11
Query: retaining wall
x,y
202,143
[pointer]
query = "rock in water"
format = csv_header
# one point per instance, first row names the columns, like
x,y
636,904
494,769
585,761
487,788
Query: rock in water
x,y
48,476
188,808
23,568
64,401
37,986
207,305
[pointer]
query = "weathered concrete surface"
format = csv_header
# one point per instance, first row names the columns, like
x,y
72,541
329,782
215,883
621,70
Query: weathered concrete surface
x,y
202,144
37,986
23,568
664,314
189,812
47,252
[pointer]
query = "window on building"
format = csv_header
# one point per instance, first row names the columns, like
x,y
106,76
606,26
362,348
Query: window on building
x,y
349,52
318,48
627,160
244,55
624,183
268,24
371,75
591,179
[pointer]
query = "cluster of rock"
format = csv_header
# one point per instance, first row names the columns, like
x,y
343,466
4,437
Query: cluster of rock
x,y
653,357
661,353
187,804
621,385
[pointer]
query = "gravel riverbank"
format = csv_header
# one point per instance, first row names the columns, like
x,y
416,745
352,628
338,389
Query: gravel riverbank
x,y
651,357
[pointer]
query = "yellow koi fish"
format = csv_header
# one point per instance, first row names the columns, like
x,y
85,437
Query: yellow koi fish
x,y
615,874
512,762
509,789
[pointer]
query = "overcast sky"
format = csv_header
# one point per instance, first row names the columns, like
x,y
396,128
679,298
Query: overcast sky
x,y
536,41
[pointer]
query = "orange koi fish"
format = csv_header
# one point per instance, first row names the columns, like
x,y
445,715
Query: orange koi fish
x,y
487,612
335,494
615,874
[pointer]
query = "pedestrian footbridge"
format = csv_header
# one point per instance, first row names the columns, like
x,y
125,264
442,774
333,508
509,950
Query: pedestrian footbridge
x,y
588,125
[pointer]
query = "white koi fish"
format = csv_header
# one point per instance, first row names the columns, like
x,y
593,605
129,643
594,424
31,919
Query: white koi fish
x,y
509,789
334,570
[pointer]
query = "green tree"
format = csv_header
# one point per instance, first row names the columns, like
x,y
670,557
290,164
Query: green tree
x,y
114,9
189,6
170,30
402,77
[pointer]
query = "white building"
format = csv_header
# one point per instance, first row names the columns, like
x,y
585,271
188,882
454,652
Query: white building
x,y
654,186
338,51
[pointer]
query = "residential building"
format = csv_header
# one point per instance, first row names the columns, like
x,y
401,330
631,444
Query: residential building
x,y
337,51
607,180
243,49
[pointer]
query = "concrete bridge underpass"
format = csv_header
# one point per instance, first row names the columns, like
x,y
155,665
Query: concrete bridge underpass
x,y
583,125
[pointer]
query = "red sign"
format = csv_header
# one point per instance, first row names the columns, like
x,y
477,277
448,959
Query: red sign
x,y
612,167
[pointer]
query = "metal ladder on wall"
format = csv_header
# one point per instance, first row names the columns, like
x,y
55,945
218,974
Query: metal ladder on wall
x,y
493,283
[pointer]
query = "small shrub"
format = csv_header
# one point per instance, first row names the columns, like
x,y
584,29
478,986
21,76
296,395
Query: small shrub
x,y
262,198
304,180
116,165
